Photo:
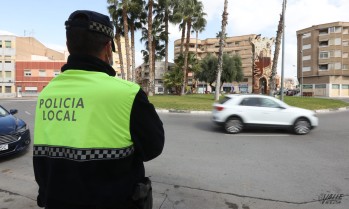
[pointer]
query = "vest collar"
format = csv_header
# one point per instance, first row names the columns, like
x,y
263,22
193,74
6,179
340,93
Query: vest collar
x,y
88,63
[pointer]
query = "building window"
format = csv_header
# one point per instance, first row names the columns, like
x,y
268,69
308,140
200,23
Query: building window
x,y
160,89
7,89
0,89
160,82
0,47
336,29
323,67
305,69
320,86
42,73
345,30
323,43
336,53
323,31
345,55
27,73
323,55
7,44
7,61
345,67
307,46
345,86
306,35
335,86
8,74
335,66
308,57
336,41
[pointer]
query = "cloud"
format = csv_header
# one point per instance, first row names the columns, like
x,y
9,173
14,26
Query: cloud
x,y
6,33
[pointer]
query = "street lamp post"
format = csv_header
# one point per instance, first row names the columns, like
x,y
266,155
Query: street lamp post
x,y
301,52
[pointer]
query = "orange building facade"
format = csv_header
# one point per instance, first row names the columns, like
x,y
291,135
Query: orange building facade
x,y
33,76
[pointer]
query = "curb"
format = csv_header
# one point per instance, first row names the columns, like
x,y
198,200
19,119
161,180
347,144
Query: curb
x,y
332,110
209,112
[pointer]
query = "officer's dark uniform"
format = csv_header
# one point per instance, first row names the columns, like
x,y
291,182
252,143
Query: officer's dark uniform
x,y
92,132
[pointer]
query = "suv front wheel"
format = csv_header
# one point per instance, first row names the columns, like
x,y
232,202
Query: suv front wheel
x,y
301,126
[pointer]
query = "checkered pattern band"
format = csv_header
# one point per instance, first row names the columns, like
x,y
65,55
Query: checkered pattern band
x,y
101,28
78,154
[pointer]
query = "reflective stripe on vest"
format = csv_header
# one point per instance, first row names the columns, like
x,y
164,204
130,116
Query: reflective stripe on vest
x,y
81,110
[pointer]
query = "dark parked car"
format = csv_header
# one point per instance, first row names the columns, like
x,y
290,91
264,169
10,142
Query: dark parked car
x,y
14,133
292,92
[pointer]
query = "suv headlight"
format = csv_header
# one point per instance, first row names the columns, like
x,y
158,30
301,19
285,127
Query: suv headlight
x,y
22,129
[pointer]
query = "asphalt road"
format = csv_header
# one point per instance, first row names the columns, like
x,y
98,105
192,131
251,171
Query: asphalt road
x,y
201,167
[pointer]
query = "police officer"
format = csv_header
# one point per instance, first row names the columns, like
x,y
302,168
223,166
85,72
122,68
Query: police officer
x,y
93,131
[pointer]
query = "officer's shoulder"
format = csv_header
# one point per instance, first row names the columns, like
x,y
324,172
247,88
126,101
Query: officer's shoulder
x,y
125,83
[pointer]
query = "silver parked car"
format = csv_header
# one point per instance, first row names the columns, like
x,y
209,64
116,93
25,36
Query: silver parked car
x,y
235,112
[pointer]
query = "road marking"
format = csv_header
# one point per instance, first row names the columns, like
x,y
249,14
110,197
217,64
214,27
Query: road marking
x,y
28,113
267,135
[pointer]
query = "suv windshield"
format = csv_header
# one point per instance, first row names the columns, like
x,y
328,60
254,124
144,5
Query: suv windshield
x,y
3,112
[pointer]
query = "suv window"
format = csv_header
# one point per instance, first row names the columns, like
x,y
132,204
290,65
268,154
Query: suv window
x,y
224,100
250,102
265,102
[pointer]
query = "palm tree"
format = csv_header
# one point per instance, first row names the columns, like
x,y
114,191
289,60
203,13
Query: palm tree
x,y
191,11
136,20
276,52
125,8
113,11
151,67
221,46
198,27
164,12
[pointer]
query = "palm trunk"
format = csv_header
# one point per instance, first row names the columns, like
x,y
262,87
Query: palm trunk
x,y
118,43
153,62
166,45
150,40
127,45
221,46
133,51
276,55
185,69
182,38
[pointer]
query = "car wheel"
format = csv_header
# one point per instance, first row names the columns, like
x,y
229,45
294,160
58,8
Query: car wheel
x,y
301,126
233,125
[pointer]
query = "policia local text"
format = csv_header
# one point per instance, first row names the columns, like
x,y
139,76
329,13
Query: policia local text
x,y
60,109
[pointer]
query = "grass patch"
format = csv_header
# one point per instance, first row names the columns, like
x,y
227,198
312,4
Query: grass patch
x,y
203,102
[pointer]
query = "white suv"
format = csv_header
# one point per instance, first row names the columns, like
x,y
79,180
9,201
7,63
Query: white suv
x,y
234,112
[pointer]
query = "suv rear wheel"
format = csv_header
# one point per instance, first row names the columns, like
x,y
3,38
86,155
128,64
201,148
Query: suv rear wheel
x,y
233,125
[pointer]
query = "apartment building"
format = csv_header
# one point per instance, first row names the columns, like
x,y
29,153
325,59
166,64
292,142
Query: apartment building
x,y
142,76
15,50
249,47
323,59
117,61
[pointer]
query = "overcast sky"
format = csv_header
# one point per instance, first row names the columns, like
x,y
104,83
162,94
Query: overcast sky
x,y
44,19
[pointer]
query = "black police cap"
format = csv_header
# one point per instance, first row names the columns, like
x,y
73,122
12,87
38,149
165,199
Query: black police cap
x,y
95,22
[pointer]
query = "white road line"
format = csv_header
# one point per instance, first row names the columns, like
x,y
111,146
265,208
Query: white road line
x,y
267,135
28,113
